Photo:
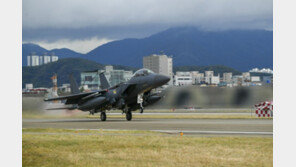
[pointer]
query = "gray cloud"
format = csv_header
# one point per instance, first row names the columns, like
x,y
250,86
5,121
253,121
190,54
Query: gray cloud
x,y
116,19
102,13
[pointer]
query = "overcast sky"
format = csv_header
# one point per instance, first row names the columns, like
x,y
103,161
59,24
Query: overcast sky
x,y
82,25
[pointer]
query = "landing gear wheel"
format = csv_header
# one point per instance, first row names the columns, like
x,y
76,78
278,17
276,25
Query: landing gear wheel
x,y
103,116
128,115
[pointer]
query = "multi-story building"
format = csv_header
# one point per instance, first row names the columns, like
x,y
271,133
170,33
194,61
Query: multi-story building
x,y
183,78
227,76
46,59
35,60
246,76
54,58
208,76
160,64
114,77
197,78
41,60
29,60
215,80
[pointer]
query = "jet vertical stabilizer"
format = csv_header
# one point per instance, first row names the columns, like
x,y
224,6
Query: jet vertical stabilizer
x,y
104,82
73,85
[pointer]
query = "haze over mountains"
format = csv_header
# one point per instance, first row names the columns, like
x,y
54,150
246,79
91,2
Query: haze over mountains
x,y
239,49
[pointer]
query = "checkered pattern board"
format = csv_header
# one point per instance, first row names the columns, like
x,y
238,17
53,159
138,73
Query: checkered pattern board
x,y
264,109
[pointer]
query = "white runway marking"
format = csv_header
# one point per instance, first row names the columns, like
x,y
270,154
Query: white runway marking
x,y
190,131
213,132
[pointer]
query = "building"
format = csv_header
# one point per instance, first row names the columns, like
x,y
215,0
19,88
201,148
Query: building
x,y
114,77
90,79
215,80
160,64
211,79
182,78
54,58
65,88
255,79
246,76
46,59
29,86
197,78
29,60
117,76
41,62
208,76
227,76
35,60
237,80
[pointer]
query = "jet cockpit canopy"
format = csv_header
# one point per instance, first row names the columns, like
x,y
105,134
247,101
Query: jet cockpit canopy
x,y
142,72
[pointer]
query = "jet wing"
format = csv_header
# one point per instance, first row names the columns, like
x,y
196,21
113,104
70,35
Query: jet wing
x,y
73,99
128,88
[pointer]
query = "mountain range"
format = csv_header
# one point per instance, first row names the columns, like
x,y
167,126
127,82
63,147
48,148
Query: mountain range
x,y
189,46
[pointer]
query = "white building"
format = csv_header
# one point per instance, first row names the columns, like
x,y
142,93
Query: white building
x,y
255,79
29,86
246,76
197,77
29,60
208,76
183,78
65,88
227,77
41,60
54,58
34,60
160,64
46,59
215,80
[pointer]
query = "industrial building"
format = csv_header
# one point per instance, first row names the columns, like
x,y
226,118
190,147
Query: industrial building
x,y
90,79
160,64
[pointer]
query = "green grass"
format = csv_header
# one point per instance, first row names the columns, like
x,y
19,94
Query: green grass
x,y
52,147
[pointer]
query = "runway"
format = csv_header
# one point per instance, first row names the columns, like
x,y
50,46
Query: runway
x,y
199,127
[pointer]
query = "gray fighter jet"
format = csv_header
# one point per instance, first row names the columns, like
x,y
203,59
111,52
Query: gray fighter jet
x,y
128,96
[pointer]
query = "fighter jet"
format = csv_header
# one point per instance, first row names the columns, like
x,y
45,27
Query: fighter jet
x,y
128,96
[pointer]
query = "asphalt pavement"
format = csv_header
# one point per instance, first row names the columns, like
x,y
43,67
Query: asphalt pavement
x,y
225,127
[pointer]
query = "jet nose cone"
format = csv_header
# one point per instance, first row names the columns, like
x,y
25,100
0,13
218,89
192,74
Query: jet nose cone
x,y
162,79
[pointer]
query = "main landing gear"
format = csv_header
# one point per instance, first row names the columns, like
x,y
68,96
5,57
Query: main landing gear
x,y
103,116
128,113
